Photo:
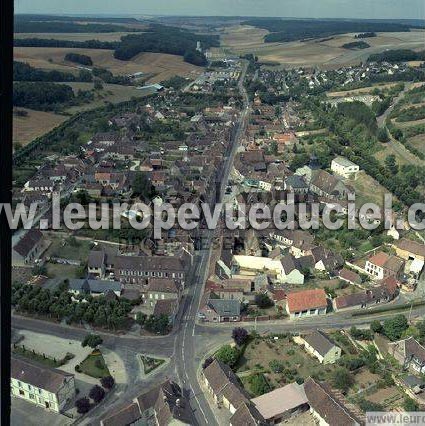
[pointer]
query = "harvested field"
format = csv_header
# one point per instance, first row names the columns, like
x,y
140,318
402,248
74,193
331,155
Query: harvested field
x,y
361,90
159,66
35,124
241,39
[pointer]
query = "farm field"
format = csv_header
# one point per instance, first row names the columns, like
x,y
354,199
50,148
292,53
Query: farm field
x,y
361,90
242,39
159,66
114,36
35,124
113,93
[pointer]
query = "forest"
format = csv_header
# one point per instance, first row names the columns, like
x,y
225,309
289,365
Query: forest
x,y
78,59
365,35
51,42
283,30
163,39
398,55
356,45
25,72
46,96
68,27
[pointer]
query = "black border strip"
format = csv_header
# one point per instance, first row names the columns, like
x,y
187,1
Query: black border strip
x,y
6,96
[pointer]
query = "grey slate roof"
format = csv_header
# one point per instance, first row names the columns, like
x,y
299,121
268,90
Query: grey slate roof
x,y
94,286
28,241
225,307
49,379
319,341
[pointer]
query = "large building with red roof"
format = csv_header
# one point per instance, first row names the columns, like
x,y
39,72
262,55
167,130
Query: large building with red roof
x,y
306,303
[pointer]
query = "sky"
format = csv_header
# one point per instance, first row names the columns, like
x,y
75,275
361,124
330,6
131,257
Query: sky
x,y
372,9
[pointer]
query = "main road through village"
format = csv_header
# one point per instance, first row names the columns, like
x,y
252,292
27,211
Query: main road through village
x,y
189,342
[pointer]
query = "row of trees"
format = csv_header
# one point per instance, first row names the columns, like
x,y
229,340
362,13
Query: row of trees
x,y
25,72
59,304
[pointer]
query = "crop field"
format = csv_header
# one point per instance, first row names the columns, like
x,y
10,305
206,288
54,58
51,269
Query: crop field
x,y
242,39
159,66
33,125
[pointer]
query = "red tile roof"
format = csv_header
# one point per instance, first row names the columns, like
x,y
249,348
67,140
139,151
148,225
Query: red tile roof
x,y
379,259
306,299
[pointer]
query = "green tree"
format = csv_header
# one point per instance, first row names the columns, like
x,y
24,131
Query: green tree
x,y
97,84
92,340
383,135
394,327
228,354
410,404
391,164
376,326
258,384
342,379
263,301
142,187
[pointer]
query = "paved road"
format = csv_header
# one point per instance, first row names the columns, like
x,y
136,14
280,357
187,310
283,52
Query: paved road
x,y
397,146
186,341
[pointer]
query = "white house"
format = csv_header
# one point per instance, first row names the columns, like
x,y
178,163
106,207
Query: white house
x,y
344,167
46,387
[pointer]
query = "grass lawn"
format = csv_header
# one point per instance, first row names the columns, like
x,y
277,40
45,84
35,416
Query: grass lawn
x,y
94,365
66,248
418,142
56,270
367,189
150,364
41,358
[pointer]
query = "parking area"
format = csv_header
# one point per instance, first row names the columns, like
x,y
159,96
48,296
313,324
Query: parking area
x,y
26,414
